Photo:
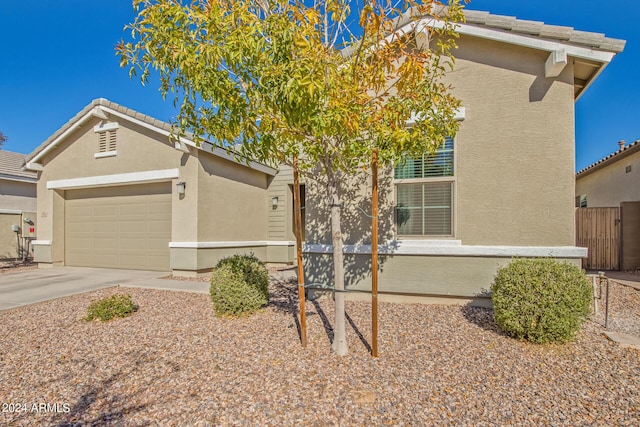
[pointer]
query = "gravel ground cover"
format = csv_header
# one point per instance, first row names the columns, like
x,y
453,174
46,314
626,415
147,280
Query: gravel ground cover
x,y
624,308
174,363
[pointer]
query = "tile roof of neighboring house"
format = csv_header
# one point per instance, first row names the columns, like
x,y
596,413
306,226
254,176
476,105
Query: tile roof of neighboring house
x,y
147,120
611,158
11,167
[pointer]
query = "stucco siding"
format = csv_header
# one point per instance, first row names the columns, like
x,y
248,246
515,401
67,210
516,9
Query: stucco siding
x,y
514,157
513,180
466,277
611,185
16,195
13,244
515,148
232,201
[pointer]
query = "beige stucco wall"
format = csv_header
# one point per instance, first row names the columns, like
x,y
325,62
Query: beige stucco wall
x,y
17,195
223,201
514,178
12,243
611,185
74,158
514,157
515,148
232,201
466,277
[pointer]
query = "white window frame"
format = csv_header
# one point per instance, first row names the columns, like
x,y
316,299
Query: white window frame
x,y
454,205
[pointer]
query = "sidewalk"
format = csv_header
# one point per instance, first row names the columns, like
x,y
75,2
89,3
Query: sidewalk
x,y
632,281
171,285
622,277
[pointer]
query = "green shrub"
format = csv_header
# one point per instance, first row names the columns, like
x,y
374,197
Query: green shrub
x,y
232,295
251,269
541,300
118,305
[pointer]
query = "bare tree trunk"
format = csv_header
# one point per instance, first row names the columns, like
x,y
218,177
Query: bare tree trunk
x,y
339,345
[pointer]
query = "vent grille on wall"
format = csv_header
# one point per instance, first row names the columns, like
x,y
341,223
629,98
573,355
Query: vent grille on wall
x,y
107,141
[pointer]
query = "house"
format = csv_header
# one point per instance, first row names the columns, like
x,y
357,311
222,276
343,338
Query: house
x,y
17,206
611,185
115,191
508,186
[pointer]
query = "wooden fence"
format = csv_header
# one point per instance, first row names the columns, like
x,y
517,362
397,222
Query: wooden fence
x,y
598,229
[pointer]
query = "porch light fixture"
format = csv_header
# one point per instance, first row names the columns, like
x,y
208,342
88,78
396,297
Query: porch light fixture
x,y
274,202
181,187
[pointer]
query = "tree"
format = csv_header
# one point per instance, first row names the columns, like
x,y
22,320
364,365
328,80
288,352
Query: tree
x,y
319,81
3,138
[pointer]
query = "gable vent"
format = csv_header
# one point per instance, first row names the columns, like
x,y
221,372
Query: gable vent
x,y
107,141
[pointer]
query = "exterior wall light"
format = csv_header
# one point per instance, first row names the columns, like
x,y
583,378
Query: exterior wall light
x,y
180,187
274,202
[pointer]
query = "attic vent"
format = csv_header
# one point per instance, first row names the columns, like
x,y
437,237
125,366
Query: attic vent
x,y
107,141
107,138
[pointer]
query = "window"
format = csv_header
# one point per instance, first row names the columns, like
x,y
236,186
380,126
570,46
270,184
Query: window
x,y
627,169
581,201
424,193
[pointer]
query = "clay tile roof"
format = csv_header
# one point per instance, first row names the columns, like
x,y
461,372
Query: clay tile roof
x,y
542,30
11,166
611,158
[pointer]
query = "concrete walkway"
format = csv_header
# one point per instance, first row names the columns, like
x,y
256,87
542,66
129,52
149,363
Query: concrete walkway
x,y
31,286
627,279
624,278
170,285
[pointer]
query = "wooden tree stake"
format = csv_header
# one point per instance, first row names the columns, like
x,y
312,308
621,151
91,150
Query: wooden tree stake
x,y
298,233
374,253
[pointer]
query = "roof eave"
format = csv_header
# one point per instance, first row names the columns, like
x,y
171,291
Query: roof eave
x,y
599,56
609,160
16,178
99,107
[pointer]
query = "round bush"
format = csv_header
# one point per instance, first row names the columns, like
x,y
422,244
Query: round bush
x,y
541,300
251,269
117,305
232,295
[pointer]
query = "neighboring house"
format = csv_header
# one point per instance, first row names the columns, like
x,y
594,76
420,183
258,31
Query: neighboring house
x,y
613,182
110,181
17,206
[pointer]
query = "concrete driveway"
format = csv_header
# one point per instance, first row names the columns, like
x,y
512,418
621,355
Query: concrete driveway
x,y
28,287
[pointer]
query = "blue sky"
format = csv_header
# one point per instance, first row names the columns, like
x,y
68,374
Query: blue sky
x,y
59,55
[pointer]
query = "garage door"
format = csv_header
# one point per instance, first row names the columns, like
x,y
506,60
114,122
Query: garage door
x,y
119,227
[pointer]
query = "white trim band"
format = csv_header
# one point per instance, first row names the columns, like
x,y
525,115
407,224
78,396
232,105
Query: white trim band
x,y
10,211
41,242
417,247
106,180
239,244
105,154
105,127
18,178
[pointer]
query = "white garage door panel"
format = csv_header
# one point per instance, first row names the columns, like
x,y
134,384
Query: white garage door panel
x,y
119,227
